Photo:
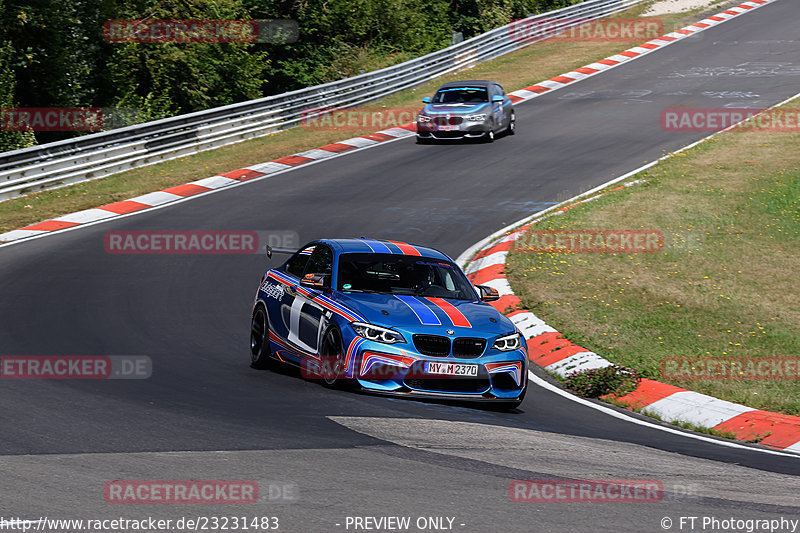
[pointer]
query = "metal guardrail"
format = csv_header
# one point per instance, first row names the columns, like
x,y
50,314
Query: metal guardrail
x,y
96,155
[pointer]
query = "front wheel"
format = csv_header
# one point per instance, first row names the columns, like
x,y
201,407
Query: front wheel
x,y
488,137
512,124
332,369
260,354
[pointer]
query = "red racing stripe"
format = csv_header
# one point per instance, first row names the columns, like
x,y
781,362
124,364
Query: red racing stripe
x,y
406,248
455,316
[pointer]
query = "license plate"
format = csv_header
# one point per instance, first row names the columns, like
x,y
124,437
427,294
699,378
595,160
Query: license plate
x,y
446,128
451,369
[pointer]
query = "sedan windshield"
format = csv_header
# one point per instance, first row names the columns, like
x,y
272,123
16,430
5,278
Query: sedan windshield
x,y
403,275
461,95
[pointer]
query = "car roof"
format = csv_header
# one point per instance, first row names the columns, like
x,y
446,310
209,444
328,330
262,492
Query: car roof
x,y
479,83
365,245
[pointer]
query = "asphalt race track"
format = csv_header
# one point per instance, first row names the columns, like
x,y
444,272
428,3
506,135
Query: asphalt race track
x,y
204,414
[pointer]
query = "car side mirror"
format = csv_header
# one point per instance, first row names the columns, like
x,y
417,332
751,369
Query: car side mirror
x,y
497,98
426,100
488,294
315,281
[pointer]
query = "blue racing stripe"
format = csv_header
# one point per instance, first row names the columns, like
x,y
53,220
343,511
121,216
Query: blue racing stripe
x,y
377,246
393,248
426,316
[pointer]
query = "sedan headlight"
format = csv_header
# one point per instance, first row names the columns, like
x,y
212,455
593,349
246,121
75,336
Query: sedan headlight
x,y
477,118
424,118
372,332
508,343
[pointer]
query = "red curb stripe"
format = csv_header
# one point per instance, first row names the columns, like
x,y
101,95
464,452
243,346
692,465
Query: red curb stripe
x,y
718,19
586,70
731,12
517,312
51,225
292,160
505,302
685,32
514,98
538,89
411,126
781,430
337,147
628,53
380,137
187,189
542,344
648,392
701,24
488,274
500,247
563,79
609,62
242,174
762,2
649,46
744,6
565,349
124,207
667,38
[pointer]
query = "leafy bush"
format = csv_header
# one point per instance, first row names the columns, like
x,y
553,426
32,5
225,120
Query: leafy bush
x,y
614,379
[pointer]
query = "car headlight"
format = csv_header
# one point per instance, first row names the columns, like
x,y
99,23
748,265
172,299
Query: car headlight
x,y
508,343
424,118
372,332
476,118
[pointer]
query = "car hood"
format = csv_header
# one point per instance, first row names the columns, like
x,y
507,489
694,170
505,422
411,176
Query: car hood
x,y
402,314
455,108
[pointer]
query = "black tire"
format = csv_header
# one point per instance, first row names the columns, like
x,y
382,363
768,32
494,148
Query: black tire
x,y
332,353
488,137
512,125
260,353
423,140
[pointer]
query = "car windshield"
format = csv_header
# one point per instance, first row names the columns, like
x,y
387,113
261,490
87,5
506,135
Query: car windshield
x,y
403,275
461,95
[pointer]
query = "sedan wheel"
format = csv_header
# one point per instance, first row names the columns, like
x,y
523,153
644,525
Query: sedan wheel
x,y
332,367
260,355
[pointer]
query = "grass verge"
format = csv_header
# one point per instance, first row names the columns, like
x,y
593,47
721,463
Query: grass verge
x,y
520,69
723,286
